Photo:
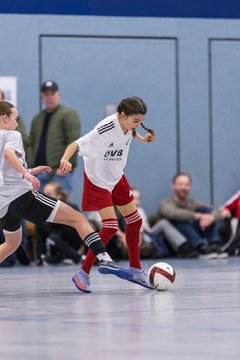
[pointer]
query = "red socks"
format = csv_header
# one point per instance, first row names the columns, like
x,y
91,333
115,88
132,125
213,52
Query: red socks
x,y
133,225
109,229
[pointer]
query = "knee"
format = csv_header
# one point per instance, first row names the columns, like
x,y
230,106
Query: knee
x,y
12,240
164,223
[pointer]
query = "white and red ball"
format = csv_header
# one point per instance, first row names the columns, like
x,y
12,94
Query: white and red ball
x,y
161,276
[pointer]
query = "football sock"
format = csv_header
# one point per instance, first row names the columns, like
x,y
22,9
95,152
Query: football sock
x,y
133,225
109,229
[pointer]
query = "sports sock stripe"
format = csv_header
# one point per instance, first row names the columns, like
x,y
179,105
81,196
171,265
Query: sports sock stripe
x,y
132,217
90,239
110,224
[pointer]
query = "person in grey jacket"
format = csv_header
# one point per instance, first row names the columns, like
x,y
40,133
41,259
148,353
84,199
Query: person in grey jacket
x,y
197,221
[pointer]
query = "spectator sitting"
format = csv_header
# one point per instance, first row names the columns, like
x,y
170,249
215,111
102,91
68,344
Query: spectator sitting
x,y
162,233
195,220
57,243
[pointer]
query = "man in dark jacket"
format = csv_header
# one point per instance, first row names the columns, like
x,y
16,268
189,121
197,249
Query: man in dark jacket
x,y
52,129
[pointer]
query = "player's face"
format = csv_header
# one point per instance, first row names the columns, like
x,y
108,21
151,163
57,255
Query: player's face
x,y
51,99
182,186
131,122
12,123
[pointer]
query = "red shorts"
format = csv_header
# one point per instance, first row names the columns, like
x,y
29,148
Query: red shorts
x,y
95,198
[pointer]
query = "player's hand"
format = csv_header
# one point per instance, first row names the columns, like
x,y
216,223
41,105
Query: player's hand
x,y
59,172
65,166
149,138
206,220
225,213
34,181
41,169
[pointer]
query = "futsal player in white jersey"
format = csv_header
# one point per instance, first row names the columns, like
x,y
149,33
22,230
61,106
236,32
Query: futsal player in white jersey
x,y
105,151
20,199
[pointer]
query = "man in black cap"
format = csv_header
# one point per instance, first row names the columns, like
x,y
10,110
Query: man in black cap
x,y
52,129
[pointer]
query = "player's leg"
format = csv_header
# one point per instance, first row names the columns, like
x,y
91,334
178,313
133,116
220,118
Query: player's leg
x,y
97,199
108,230
133,224
123,199
12,242
68,216
39,208
12,230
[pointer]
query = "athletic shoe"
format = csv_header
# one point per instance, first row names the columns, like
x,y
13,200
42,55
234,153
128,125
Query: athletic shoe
x,y
110,267
205,252
82,281
140,278
222,255
212,252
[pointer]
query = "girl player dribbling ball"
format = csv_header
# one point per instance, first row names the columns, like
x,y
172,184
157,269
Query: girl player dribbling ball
x,y
20,198
105,151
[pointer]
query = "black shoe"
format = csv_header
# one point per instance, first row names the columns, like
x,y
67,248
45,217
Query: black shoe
x,y
184,251
212,251
216,247
53,259
205,252
233,248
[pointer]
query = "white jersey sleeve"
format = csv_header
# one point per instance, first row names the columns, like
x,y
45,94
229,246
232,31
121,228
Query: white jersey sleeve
x,y
92,143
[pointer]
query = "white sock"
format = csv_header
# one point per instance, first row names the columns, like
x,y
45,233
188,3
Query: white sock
x,y
104,256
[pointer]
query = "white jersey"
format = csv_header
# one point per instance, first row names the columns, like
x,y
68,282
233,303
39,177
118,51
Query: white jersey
x,y
105,151
12,183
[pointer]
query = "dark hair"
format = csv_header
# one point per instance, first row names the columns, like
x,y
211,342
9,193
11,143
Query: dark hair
x,y
2,94
181,174
59,190
132,106
6,108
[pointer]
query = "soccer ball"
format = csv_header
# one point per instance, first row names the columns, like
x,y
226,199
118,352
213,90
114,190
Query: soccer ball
x,y
161,276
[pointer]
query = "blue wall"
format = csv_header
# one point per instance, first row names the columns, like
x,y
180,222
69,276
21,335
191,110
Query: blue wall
x,y
187,70
160,8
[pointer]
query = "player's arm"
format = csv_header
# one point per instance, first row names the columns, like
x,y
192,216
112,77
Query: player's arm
x,y
12,159
71,149
40,169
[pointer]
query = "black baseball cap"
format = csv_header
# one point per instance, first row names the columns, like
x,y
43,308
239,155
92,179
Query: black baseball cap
x,y
49,85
